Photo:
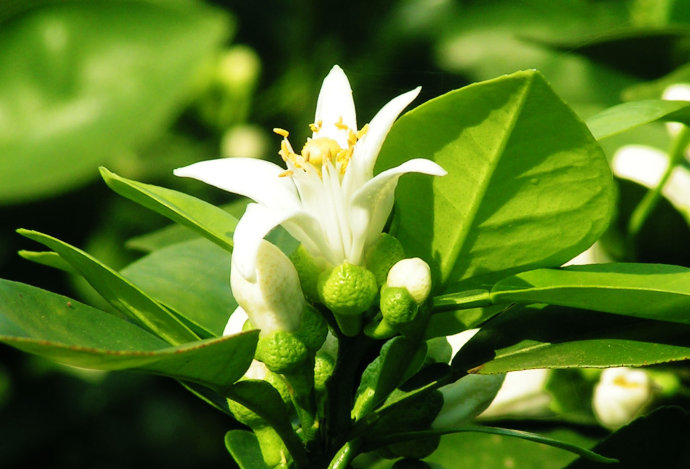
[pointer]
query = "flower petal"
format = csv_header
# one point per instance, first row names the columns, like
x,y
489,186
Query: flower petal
x,y
257,221
372,203
236,322
361,167
335,104
257,179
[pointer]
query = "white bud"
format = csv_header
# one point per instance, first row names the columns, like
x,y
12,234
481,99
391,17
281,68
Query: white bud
x,y
274,300
620,394
522,394
414,275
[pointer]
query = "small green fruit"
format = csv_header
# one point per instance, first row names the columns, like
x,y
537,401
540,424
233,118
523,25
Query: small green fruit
x,y
347,289
383,255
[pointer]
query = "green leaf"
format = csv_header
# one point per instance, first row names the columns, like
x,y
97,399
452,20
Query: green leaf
x,y
245,450
533,437
193,278
264,400
47,258
64,330
208,220
556,337
657,440
654,291
84,82
488,451
627,116
520,192
124,296
398,359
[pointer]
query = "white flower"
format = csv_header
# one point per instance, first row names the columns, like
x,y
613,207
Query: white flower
x,y
271,298
328,197
620,395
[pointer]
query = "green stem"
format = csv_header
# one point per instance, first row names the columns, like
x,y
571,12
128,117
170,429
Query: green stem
x,y
652,197
302,394
345,454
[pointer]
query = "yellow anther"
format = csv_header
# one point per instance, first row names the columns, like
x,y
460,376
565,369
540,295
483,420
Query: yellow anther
x,y
315,127
339,124
282,132
288,172
318,150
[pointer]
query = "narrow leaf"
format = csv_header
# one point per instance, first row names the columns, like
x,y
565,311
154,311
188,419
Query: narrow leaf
x,y
47,258
654,291
64,330
556,337
633,114
206,219
124,296
407,436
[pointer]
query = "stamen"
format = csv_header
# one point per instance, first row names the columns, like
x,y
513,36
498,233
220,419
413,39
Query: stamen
x,y
339,124
315,127
363,131
282,132
286,173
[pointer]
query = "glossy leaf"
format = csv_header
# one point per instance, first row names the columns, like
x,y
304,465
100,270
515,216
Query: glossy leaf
x,y
654,291
627,116
123,295
192,277
83,82
398,357
556,337
208,220
47,258
520,192
64,330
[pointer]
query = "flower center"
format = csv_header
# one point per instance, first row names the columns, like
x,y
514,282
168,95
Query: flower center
x,y
316,152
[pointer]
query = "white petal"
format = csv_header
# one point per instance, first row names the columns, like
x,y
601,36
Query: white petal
x,y
236,321
372,204
258,221
676,92
361,167
335,103
257,179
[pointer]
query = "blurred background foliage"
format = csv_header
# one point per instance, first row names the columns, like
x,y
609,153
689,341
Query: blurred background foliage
x,y
145,86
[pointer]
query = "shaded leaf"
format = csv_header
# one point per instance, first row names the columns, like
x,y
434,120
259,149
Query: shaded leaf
x,y
629,115
123,295
245,450
556,337
192,277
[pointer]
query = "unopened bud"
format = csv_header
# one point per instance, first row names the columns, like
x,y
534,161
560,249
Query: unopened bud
x,y
414,275
620,395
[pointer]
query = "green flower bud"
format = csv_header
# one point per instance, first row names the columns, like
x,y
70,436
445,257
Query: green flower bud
x,y
397,306
383,255
348,290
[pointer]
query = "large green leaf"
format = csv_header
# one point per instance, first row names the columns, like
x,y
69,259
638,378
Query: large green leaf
x,y
627,116
557,337
123,295
192,277
208,220
64,330
83,81
520,192
654,291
